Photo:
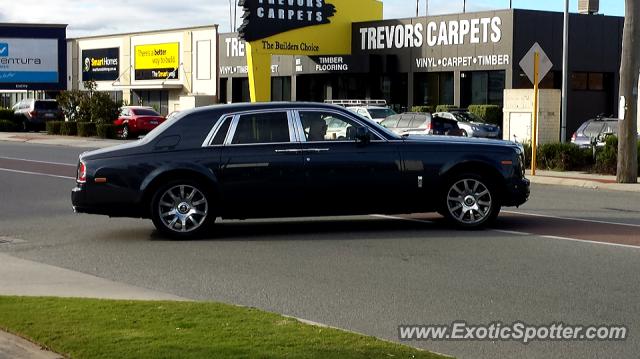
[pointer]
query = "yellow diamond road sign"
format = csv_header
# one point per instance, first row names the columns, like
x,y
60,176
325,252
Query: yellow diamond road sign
x,y
544,66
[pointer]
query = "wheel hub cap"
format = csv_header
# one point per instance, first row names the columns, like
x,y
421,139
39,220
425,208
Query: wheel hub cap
x,y
469,201
183,208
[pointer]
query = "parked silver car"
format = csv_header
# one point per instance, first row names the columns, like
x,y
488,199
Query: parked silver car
x,y
595,130
471,124
419,123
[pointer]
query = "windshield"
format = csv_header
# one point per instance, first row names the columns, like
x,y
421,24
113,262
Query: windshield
x,y
376,126
467,117
381,112
144,112
46,105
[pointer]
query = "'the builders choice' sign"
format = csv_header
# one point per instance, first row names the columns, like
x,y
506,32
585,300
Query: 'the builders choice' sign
x,y
101,64
157,62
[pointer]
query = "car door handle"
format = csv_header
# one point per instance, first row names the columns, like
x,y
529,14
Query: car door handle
x,y
289,151
316,150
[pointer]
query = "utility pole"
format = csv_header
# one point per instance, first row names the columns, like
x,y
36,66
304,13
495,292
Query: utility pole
x,y
629,73
426,7
565,74
464,6
417,8
510,4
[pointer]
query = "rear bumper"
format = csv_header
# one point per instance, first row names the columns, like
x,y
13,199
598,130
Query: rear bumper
x,y
82,204
517,192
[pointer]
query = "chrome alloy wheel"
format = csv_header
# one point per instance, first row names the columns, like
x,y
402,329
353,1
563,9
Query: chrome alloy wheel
x,y
183,208
469,201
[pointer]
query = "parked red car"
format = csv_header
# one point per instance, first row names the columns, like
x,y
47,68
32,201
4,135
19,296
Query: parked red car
x,y
137,120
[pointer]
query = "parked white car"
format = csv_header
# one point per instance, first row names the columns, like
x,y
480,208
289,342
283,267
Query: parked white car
x,y
375,113
471,125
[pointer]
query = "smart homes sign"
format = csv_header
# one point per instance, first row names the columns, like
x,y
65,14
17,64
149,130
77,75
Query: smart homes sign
x,y
28,60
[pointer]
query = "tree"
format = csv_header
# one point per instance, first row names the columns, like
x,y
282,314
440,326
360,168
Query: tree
x,y
629,73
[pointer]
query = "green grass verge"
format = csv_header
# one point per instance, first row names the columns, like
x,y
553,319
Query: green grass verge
x,y
89,328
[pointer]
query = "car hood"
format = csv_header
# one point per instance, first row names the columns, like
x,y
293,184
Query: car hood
x,y
114,151
459,140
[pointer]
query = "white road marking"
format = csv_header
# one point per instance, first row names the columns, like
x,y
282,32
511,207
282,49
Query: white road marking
x,y
573,219
34,161
526,233
401,218
35,173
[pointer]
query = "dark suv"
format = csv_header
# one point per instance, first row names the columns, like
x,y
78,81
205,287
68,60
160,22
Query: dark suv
x,y
34,114
280,160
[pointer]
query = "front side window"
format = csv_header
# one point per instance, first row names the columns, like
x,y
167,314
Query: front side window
x,y
321,127
272,127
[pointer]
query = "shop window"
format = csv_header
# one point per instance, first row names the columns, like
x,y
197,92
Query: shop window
x,y
596,81
433,89
580,81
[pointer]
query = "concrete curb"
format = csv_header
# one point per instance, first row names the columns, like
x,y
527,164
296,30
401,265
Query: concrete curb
x,y
15,347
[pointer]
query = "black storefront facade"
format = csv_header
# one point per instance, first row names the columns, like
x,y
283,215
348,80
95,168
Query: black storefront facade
x,y
458,59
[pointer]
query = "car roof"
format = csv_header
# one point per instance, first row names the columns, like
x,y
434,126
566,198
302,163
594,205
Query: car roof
x,y
246,106
139,107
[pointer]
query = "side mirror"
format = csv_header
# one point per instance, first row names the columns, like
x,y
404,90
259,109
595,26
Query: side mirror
x,y
362,135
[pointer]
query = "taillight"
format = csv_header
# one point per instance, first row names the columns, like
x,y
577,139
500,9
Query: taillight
x,y
33,113
82,173
430,128
574,137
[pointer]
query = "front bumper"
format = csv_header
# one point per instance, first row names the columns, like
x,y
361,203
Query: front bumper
x,y
517,192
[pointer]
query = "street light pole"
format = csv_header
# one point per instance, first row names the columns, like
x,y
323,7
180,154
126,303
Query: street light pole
x,y
426,7
417,8
464,6
565,74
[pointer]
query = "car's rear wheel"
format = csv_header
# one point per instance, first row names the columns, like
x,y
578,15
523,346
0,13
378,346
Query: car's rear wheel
x,y
124,133
182,209
464,133
470,201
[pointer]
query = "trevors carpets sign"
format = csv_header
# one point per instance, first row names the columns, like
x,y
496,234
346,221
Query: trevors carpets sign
x,y
100,64
265,18
435,33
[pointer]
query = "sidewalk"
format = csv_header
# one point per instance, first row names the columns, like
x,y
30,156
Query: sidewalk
x,y
582,180
27,278
573,179
69,141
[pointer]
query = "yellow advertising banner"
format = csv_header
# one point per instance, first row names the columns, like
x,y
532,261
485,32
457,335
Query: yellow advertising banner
x,y
304,27
298,27
157,61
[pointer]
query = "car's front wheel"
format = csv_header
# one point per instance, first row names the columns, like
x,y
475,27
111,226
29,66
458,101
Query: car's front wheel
x,y
182,209
470,201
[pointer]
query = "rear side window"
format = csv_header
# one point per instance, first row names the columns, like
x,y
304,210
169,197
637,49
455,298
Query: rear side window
x,y
391,122
611,127
593,129
46,105
262,128
144,112
405,121
222,133
418,121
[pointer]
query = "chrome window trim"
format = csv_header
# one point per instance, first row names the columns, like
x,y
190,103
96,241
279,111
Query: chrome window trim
x,y
214,131
236,118
303,138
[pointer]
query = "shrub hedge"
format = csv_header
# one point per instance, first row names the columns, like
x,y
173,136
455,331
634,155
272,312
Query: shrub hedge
x,y
7,126
489,113
69,128
428,109
53,127
559,157
445,108
106,130
6,114
86,129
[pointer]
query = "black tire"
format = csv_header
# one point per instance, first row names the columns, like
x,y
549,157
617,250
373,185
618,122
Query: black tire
x,y
464,133
474,206
166,209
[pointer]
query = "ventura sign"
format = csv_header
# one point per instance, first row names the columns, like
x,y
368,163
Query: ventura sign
x,y
436,33
28,60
